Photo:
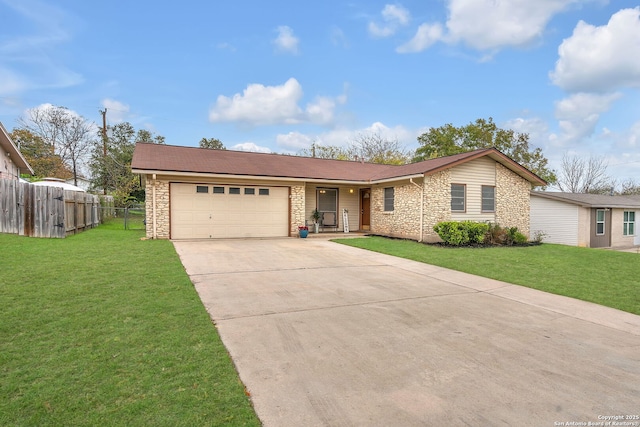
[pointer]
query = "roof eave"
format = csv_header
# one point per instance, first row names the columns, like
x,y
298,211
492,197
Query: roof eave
x,y
16,156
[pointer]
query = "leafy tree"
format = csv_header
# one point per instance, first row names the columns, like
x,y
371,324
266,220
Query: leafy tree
x,y
112,172
66,133
448,140
40,155
212,143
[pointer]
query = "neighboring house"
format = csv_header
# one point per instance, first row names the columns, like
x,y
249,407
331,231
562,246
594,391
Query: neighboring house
x,y
12,162
591,220
83,182
194,193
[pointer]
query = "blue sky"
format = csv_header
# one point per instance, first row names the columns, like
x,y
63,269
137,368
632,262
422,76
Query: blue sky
x,y
277,76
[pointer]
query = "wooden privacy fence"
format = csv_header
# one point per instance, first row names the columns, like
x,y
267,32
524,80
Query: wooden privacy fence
x,y
45,211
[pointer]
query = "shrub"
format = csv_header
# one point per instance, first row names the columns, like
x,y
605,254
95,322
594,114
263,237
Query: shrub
x,y
457,233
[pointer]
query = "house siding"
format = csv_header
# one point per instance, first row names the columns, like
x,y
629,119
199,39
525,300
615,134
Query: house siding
x,y
474,175
618,239
558,221
437,203
404,220
512,200
162,208
584,227
8,170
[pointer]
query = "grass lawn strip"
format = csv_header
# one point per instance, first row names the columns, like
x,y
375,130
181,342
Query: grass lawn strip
x,y
102,328
604,277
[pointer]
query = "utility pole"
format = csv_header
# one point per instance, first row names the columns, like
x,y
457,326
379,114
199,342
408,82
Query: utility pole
x,y
104,148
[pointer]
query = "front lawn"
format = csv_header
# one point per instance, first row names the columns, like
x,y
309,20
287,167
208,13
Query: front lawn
x,y
103,328
604,277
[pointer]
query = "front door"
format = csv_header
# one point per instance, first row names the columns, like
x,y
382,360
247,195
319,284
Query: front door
x,y
600,228
365,209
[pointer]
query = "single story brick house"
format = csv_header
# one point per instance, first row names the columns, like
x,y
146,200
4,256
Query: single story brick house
x,y
588,220
196,193
12,162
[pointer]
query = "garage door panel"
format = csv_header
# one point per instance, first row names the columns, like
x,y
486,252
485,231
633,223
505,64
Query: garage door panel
x,y
224,215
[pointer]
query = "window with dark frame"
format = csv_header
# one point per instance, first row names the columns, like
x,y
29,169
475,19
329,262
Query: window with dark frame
x,y
234,190
488,198
629,223
600,218
389,199
249,191
218,190
263,192
458,197
202,189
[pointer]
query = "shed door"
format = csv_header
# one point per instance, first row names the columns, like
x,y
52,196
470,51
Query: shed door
x,y
600,228
210,211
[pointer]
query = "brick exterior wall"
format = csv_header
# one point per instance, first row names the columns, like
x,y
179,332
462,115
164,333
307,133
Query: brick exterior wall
x,y
404,220
437,203
297,208
162,208
512,200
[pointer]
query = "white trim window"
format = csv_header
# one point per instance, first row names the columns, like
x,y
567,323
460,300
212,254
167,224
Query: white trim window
x,y
629,223
389,199
600,218
488,198
458,196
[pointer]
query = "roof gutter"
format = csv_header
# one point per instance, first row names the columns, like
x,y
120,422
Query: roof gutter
x,y
273,178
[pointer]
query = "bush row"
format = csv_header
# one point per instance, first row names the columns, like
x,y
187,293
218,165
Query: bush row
x,y
461,233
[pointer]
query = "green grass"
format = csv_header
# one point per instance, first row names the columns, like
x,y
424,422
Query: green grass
x,y
102,328
604,277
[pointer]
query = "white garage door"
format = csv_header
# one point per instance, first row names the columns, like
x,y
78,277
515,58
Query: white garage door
x,y
210,211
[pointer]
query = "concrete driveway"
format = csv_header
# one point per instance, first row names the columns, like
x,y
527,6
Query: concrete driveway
x,y
327,335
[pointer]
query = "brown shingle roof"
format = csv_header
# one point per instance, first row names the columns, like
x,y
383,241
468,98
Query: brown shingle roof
x,y
592,200
168,158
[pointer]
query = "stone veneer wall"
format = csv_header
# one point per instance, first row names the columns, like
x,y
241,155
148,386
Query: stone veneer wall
x,y
162,208
437,203
512,200
404,220
297,208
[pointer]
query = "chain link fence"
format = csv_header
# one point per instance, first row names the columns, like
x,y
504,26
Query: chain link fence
x,y
130,218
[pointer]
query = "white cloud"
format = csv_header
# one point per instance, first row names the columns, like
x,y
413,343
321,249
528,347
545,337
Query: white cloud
x,y
295,141
426,35
250,146
488,25
286,42
598,59
578,115
338,38
394,16
116,111
261,105
11,82
491,24
269,105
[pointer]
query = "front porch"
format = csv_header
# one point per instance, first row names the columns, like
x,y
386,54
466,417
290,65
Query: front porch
x,y
339,207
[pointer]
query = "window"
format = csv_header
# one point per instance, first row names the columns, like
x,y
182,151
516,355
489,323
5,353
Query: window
x,y
263,191
629,223
488,198
600,222
389,196
457,197
249,191
202,189
234,190
218,190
